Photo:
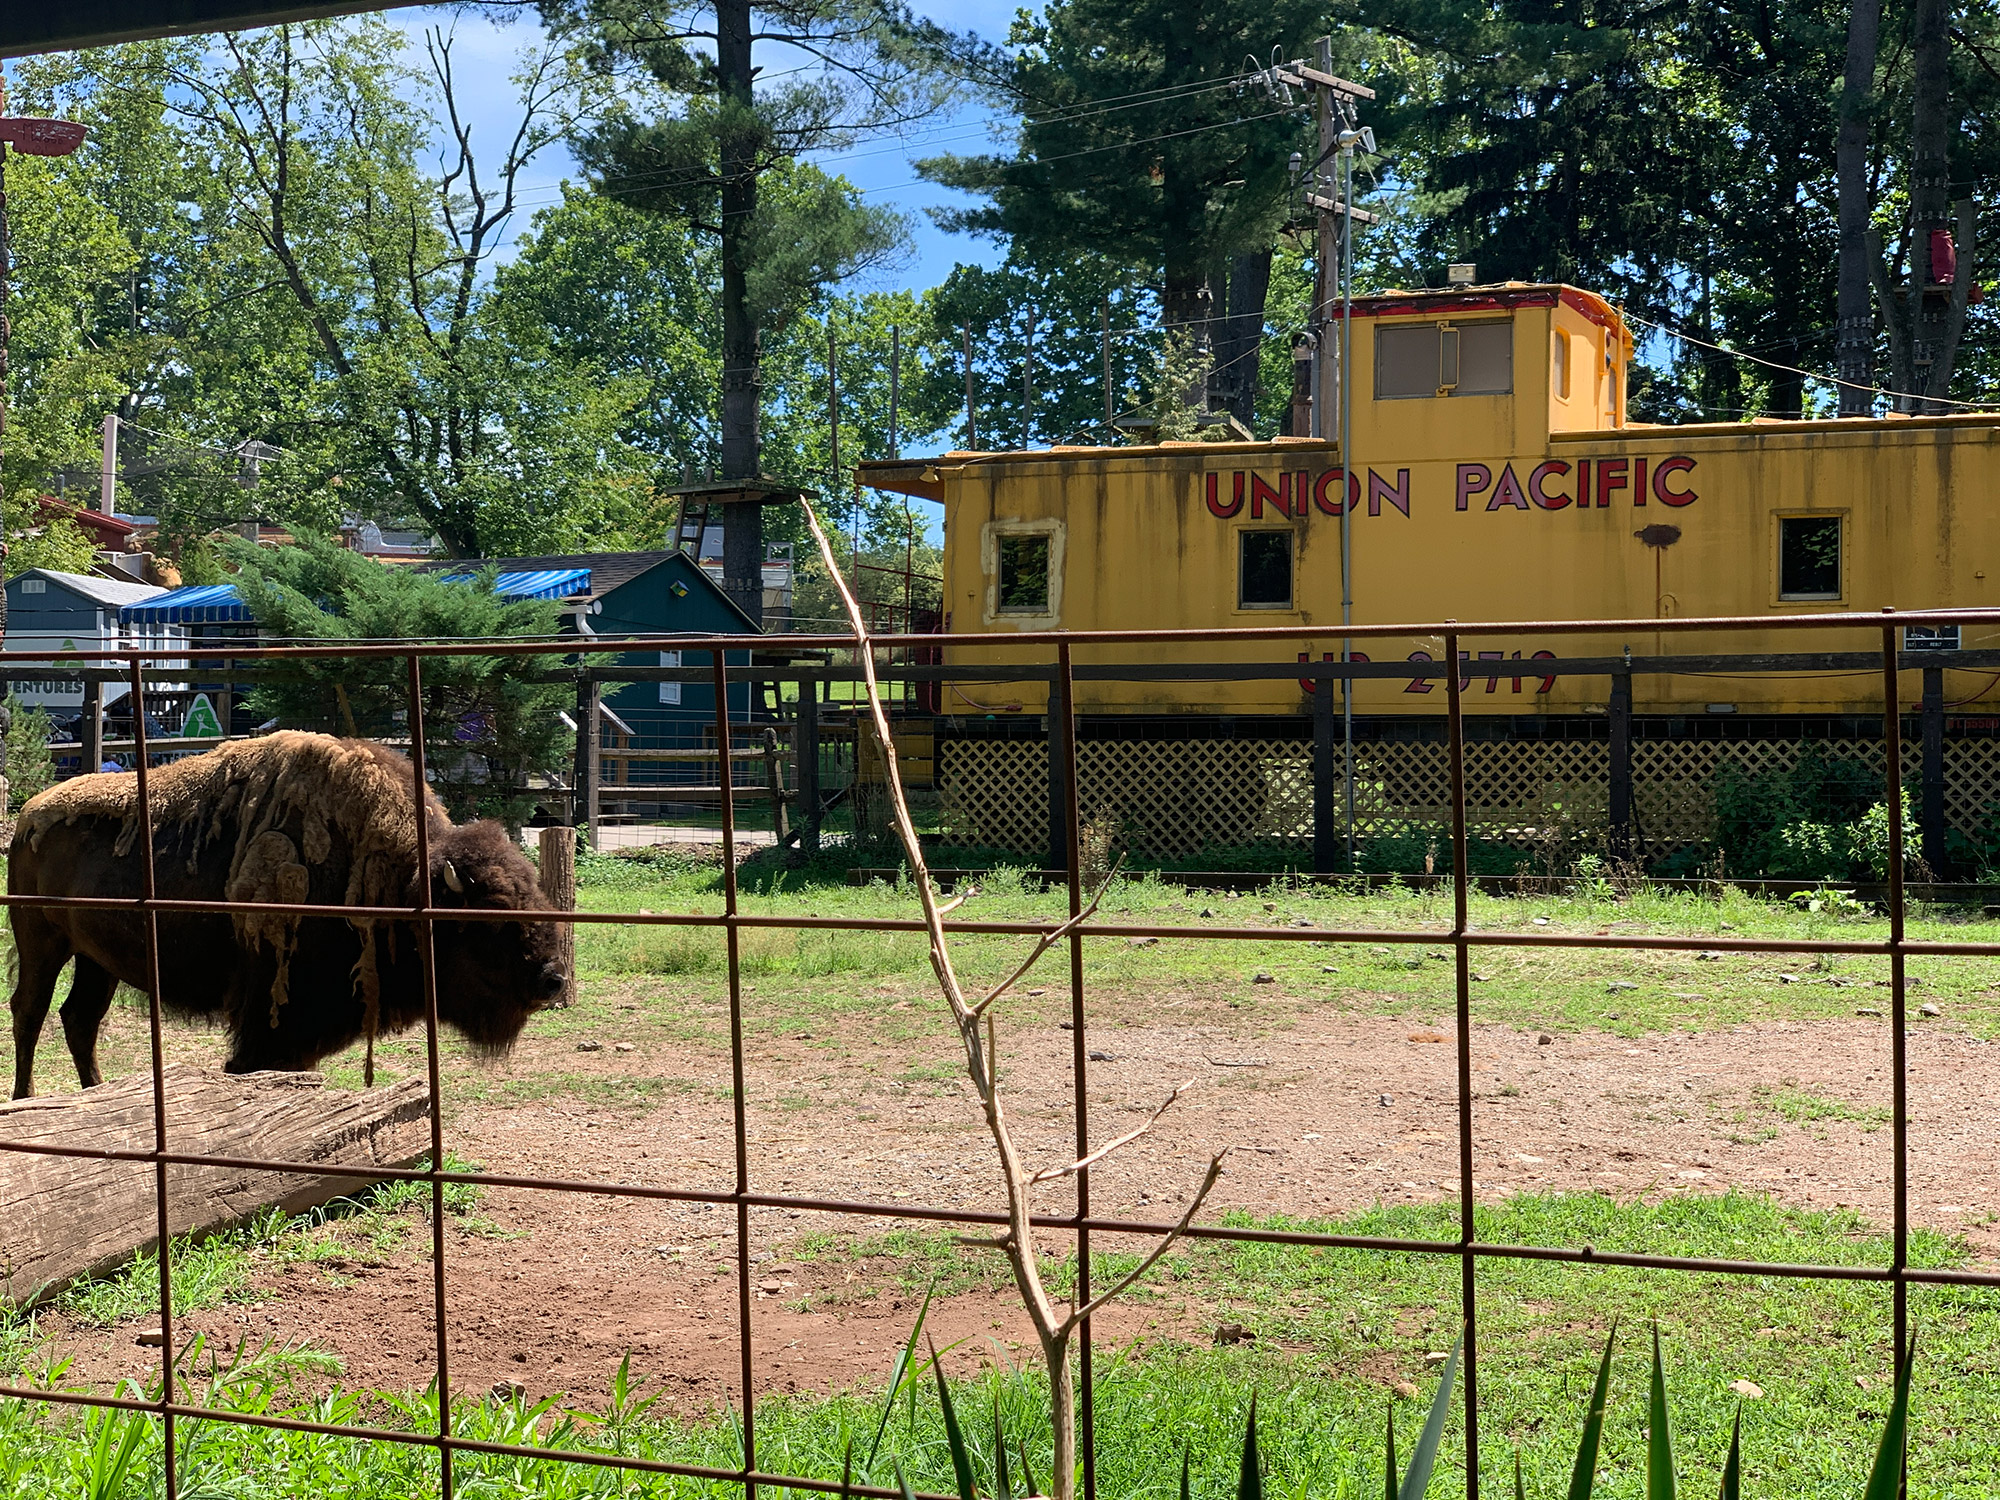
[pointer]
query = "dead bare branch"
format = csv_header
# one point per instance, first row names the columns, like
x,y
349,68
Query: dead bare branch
x,y
1049,939
1167,1242
1052,1174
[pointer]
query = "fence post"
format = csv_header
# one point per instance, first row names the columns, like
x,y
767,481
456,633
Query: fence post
x,y
806,745
1621,765
1329,842
1058,841
558,882
90,730
583,800
1931,816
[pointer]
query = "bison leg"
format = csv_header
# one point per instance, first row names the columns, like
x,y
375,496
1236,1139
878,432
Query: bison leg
x,y
41,952
82,1013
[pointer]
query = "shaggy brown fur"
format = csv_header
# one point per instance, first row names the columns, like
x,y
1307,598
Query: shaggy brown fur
x,y
290,818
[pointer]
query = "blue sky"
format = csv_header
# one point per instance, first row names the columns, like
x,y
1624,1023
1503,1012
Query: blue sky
x,y
483,53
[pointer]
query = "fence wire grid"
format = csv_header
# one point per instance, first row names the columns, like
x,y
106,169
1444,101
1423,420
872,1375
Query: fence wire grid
x,y
1081,1223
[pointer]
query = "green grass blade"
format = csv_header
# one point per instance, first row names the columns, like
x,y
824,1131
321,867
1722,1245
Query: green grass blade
x,y
961,1456
847,1472
1187,1492
903,1483
1003,1480
899,1374
1250,1475
1389,1464
1027,1469
1520,1492
1424,1457
1583,1478
1732,1468
1659,1439
1885,1479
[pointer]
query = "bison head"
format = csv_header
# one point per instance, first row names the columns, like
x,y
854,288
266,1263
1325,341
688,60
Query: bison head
x,y
491,976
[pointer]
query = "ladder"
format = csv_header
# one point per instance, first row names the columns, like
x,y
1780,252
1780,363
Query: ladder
x,y
690,528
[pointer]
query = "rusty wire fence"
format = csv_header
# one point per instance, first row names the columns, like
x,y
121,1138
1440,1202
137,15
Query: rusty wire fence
x,y
1081,1223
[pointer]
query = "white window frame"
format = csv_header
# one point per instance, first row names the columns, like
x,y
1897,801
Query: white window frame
x,y
989,563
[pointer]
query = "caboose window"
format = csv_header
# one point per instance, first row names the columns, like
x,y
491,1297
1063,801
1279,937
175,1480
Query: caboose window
x,y
1809,557
1024,575
1443,359
1264,570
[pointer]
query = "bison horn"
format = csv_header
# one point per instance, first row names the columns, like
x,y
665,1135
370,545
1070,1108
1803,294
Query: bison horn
x,y
451,881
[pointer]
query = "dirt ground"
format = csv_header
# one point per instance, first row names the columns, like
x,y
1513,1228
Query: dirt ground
x,y
1333,1113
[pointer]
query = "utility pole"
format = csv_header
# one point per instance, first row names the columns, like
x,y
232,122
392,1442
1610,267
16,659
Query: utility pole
x,y
895,390
107,479
971,422
1028,385
1104,312
1332,414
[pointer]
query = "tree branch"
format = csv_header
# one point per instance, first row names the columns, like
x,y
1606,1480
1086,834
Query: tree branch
x,y
1167,1241
1052,1174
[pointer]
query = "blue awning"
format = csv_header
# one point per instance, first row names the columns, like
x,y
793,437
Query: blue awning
x,y
545,583
197,604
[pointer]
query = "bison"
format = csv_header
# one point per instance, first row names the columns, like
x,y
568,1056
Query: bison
x,y
289,818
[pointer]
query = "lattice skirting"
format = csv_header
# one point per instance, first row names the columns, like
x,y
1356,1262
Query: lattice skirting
x,y
1174,798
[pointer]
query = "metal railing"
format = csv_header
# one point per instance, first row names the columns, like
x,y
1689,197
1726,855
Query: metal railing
x,y
1082,1222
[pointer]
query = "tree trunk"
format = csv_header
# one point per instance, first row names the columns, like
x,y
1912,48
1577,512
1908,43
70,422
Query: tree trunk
x,y
1854,317
1930,194
1232,386
742,377
1062,1418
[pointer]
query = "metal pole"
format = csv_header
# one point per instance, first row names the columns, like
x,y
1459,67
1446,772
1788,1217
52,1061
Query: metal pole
x,y
971,422
1347,475
1104,312
1028,384
895,391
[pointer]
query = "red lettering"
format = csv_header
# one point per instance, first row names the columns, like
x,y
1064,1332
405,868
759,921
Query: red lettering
x,y
1538,479
1638,481
1473,479
1610,476
1215,505
1260,492
1673,497
1547,682
1507,493
1582,485
1378,491
1493,682
1420,684
1328,505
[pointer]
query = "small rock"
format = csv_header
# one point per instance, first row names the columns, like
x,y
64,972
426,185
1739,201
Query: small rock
x,y
1404,1389
1748,1389
1033,993
1385,1100
1928,1009
1478,978
1788,979
1425,1036
1611,1015
1102,1057
1272,905
623,1047
1436,1357
589,1046
1545,1040
1708,956
1206,912
1066,1025
1142,942
1302,921
1912,982
1234,1333
1620,984
505,1391
1727,926
1538,921
1260,977
150,1338
1868,1010
1328,969
770,1287
1443,958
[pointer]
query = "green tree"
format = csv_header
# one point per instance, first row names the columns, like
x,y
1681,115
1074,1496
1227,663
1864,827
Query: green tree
x,y
489,726
1139,146
727,161
298,276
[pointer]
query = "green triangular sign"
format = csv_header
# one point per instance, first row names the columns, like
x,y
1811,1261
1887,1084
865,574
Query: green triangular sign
x,y
201,720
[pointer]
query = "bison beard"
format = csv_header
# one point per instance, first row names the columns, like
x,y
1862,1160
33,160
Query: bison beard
x,y
291,819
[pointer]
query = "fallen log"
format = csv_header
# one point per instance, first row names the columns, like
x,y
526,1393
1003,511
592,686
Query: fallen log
x,y
67,1218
